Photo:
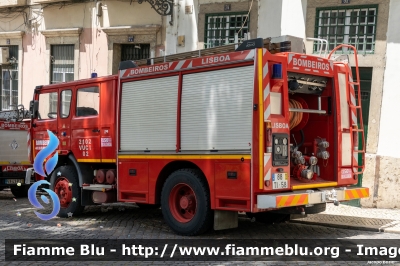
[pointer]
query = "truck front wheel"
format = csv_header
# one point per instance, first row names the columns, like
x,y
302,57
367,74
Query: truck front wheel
x,y
185,202
65,183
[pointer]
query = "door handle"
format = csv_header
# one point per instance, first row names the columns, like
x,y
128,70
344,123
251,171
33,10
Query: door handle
x,y
95,130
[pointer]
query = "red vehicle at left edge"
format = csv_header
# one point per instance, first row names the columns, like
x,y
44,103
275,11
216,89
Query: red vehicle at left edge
x,y
14,155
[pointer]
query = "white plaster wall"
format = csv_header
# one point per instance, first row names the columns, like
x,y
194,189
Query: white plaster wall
x,y
278,18
187,26
172,26
269,18
293,18
388,144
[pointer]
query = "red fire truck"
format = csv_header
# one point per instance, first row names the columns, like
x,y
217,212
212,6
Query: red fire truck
x,y
207,135
14,158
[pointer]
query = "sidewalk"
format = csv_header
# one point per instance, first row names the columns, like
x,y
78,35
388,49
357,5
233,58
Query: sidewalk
x,y
343,216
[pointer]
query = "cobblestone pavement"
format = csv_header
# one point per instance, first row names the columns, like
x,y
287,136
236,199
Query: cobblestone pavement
x,y
18,221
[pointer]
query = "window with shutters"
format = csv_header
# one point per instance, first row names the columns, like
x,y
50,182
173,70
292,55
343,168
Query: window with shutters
x,y
62,63
135,51
221,28
351,25
9,80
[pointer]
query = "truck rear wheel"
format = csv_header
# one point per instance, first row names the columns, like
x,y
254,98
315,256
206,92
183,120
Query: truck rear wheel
x,y
185,202
65,183
20,192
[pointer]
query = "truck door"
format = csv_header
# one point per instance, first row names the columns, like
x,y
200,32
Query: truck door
x,y
85,142
64,119
46,120
107,99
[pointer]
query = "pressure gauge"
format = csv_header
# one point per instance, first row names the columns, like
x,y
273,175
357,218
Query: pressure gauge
x,y
276,141
284,141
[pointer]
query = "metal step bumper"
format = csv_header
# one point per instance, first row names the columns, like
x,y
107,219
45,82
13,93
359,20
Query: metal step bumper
x,y
309,197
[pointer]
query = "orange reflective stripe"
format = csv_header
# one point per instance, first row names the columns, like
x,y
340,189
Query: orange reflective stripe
x,y
357,193
291,200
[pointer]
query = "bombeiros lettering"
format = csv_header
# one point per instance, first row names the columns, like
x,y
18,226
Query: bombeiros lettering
x,y
150,69
310,64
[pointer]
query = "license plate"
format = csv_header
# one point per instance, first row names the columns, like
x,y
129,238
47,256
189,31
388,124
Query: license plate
x,y
13,181
280,181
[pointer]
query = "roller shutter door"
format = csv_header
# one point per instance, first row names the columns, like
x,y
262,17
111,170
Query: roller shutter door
x,y
148,115
217,109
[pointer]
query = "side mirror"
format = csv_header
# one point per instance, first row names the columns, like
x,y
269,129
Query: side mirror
x,y
33,108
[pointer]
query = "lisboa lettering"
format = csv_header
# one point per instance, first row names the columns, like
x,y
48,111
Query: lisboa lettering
x,y
215,59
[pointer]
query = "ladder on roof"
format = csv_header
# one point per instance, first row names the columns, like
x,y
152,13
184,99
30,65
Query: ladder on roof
x,y
18,113
357,167
271,47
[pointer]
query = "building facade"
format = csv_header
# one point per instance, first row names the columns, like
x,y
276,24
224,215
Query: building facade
x,y
51,41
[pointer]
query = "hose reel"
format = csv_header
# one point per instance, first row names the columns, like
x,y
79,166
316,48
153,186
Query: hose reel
x,y
297,120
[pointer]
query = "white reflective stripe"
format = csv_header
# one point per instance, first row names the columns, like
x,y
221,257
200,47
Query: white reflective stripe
x,y
266,91
290,58
267,176
352,98
180,64
267,113
250,54
265,71
121,73
353,117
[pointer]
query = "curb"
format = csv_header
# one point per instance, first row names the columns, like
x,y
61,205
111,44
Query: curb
x,y
361,228
353,227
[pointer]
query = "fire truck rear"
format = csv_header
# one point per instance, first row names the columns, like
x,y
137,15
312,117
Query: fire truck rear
x,y
14,158
257,130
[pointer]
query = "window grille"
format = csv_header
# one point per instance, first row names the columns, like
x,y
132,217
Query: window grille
x,y
352,25
9,81
221,28
62,63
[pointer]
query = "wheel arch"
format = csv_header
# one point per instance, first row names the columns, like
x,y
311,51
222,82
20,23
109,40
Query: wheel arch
x,y
172,167
83,170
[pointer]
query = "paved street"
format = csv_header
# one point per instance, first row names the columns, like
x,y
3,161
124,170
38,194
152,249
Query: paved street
x,y
17,221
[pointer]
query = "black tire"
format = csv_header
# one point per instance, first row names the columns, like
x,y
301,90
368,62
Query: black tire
x,y
269,217
202,219
20,192
145,206
316,208
67,174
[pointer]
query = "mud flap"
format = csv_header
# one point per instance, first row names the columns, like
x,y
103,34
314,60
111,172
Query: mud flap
x,y
225,219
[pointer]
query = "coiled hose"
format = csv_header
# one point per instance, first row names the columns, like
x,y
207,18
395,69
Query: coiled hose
x,y
295,117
